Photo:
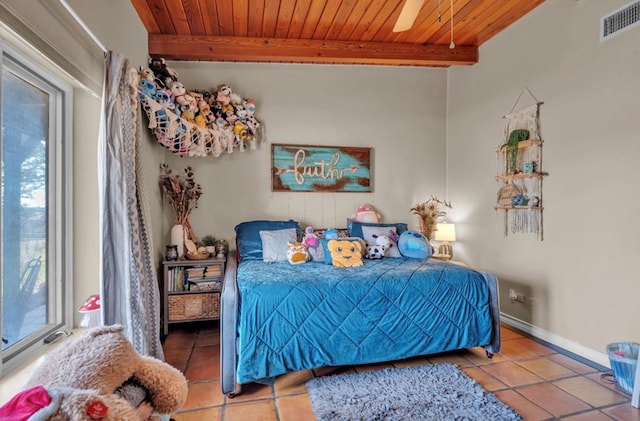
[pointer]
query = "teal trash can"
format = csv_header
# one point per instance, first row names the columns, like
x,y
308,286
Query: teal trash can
x,y
624,360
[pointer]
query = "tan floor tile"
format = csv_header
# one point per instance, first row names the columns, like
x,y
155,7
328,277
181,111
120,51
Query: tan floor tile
x,y
546,369
487,381
527,409
202,370
208,337
207,353
209,414
553,399
518,349
295,408
180,339
511,374
177,359
524,364
604,382
571,364
204,394
263,410
589,392
253,391
292,383
478,356
594,415
508,334
623,413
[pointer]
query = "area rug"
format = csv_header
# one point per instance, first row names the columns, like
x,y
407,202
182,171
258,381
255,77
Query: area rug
x,y
436,392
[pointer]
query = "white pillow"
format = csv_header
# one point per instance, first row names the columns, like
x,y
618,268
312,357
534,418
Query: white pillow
x,y
368,235
274,244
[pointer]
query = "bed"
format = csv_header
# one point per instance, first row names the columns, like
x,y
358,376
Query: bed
x,y
277,317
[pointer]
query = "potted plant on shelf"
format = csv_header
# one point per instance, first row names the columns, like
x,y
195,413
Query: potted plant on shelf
x,y
209,242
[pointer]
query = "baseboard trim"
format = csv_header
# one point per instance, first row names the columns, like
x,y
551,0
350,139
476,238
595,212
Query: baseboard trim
x,y
570,346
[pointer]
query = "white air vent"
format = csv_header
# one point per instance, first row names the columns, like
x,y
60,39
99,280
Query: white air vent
x,y
623,18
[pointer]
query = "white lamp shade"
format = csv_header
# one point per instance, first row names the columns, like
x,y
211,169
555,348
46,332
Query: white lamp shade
x,y
445,232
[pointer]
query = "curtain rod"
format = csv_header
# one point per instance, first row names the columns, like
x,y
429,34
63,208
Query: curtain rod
x,y
84,26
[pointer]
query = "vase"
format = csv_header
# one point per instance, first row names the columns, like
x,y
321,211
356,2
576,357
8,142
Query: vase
x,y
426,228
177,238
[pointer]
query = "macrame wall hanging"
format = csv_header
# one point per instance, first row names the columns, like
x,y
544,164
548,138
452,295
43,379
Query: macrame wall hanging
x,y
519,199
196,123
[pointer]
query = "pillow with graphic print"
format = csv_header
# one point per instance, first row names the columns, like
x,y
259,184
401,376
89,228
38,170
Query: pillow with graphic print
x,y
327,253
355,227
370,233
274,244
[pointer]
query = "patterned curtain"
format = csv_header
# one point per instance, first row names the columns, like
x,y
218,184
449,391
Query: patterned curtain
x,y
129,290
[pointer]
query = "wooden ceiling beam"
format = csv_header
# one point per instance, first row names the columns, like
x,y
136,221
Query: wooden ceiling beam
x,y
224,48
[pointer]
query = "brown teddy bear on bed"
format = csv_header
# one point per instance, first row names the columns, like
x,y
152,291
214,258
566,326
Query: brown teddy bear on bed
x,y
99,376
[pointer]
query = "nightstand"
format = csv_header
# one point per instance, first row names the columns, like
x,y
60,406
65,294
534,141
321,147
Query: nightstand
x,y
191,290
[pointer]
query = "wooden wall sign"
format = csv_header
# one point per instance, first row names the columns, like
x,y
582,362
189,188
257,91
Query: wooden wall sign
x,y
306,168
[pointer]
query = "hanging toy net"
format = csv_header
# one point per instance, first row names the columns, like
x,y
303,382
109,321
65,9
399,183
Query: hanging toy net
x,y
198,123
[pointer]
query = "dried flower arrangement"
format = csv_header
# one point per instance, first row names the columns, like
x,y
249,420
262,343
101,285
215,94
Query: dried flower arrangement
x,y
430,213
182,193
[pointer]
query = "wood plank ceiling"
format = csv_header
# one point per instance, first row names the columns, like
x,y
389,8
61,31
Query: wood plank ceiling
x,y
324,31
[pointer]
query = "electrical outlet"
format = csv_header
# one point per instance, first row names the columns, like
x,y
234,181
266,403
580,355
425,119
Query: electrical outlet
x,y
516,296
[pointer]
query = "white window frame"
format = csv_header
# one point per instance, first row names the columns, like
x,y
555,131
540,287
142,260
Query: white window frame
x,y
28,65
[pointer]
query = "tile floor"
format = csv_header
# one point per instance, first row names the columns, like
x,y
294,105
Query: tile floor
x,y
538,381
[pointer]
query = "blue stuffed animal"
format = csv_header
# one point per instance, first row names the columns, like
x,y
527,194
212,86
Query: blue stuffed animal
x,y
413,244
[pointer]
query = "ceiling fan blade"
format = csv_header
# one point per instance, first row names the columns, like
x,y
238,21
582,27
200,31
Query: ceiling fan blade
x,y
408,15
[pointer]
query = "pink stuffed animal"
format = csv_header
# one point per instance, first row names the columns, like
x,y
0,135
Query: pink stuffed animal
x,y
366,213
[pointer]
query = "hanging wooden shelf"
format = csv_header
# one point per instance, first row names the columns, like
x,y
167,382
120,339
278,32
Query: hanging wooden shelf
x,y
523,144
511,207
520,173
507,177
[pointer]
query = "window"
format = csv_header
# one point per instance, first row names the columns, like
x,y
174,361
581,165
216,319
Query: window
x,y
35,206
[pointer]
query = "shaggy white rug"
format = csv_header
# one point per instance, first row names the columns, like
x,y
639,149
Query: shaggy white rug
x,y
437,392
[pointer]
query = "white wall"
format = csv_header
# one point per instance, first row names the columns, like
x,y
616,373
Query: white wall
x,y
583,274
399,112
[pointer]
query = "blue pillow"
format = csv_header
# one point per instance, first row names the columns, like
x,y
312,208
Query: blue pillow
x,y
355,227
248,239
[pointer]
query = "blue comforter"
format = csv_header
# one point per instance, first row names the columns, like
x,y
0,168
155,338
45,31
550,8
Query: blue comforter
x,y
294,317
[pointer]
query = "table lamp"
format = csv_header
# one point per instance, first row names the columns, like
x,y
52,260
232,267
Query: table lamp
x,y
445,232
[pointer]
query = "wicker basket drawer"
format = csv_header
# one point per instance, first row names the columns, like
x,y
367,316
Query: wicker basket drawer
x,y
194,306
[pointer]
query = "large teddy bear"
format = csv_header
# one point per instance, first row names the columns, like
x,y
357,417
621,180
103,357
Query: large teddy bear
x,y
98,376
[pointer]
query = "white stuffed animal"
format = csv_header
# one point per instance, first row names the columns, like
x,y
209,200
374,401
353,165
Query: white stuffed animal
x,y
383,243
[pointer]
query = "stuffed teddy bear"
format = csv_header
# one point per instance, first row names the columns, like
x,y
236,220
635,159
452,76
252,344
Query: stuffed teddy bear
x,y
345,253
163,74
98,376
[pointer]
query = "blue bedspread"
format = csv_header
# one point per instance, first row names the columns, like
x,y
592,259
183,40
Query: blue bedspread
x,y
294,317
